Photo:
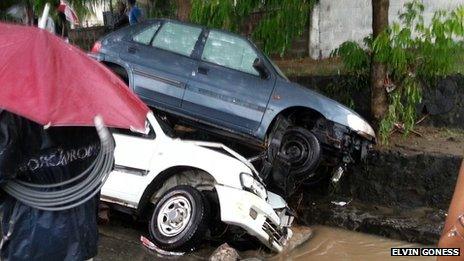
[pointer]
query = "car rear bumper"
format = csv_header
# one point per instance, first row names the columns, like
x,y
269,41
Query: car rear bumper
x,y
255,215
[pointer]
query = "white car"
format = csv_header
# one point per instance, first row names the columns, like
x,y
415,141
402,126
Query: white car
x,y
168,179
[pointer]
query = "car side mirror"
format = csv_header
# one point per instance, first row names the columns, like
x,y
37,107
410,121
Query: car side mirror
x,y
258,64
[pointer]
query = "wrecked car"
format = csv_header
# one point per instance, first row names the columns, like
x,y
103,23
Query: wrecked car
x,y
222,82
181,186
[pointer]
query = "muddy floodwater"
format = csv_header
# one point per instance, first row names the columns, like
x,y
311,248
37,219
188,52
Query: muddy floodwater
x,y
331,244
121,241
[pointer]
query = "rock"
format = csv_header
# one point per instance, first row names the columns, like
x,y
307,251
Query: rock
x,y
301,234
224,253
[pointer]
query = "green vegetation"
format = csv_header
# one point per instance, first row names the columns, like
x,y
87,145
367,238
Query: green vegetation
x,y
414,52
161,8
279,23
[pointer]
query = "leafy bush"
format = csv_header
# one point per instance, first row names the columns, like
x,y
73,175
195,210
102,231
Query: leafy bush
x,y
412,51
282,20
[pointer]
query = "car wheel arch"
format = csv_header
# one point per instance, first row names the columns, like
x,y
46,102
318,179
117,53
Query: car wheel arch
x,y
291,113
157,185
119,70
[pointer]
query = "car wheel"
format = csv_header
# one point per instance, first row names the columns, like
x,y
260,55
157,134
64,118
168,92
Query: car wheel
x,y
302,150
179,220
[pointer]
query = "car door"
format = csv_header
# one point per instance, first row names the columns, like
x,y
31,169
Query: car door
x,y
225,89
160,56
134,153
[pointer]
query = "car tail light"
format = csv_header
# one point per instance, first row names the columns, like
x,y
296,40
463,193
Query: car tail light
x,y
96,47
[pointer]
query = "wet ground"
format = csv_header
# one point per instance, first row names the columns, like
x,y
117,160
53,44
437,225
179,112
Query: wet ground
x,y
428,140
122,242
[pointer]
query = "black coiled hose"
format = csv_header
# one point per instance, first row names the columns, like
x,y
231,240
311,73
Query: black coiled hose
x,y
64,195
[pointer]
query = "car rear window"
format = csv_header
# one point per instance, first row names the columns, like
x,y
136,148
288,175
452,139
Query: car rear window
x,y
145,36
177,38
229,51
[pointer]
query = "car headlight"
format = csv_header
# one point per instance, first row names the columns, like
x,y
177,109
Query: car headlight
x,y
249,183
359,125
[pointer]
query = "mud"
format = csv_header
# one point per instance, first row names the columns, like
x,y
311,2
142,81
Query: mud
x,y
427,139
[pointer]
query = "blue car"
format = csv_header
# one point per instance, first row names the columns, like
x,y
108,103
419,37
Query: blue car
x,y
222,82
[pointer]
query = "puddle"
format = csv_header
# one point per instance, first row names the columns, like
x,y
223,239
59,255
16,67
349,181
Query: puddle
x,y
331,244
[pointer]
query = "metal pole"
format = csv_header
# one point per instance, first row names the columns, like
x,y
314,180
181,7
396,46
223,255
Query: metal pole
x,y
43,19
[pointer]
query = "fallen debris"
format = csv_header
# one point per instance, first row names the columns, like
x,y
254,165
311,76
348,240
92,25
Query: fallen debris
x,y
224,253
301,235
148,244
341,203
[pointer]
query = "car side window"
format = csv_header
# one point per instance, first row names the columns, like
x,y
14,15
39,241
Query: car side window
x,y
229,51
177,38
145,36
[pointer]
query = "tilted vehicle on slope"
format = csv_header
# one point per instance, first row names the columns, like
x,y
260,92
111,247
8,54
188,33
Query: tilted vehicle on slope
x,y
178,184
219,80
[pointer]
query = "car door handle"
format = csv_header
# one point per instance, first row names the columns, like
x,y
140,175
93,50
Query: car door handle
x,y
203,70
132,49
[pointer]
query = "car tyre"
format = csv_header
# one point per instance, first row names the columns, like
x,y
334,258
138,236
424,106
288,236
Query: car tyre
x,y
180,219
302,150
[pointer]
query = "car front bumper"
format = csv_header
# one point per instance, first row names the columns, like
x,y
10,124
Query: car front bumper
x,y
256,216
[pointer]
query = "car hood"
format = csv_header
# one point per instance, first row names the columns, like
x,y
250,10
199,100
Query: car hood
x,y
224,151
219,147
330,109
222,163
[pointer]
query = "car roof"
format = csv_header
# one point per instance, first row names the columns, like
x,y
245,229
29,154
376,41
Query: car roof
x,y
150,21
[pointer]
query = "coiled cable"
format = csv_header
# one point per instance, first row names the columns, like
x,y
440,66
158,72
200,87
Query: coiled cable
x,y
66,195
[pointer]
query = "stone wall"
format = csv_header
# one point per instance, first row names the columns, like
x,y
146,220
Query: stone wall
x,y
397,194
405,179
336,21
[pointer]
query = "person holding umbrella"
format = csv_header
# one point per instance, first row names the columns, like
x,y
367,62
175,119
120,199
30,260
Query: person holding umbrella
x,y
53,161
43,156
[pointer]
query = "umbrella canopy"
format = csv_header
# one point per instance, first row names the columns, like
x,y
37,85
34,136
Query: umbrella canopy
x,y
48,81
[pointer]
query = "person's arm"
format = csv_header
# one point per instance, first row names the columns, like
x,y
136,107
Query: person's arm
x,y
453,231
